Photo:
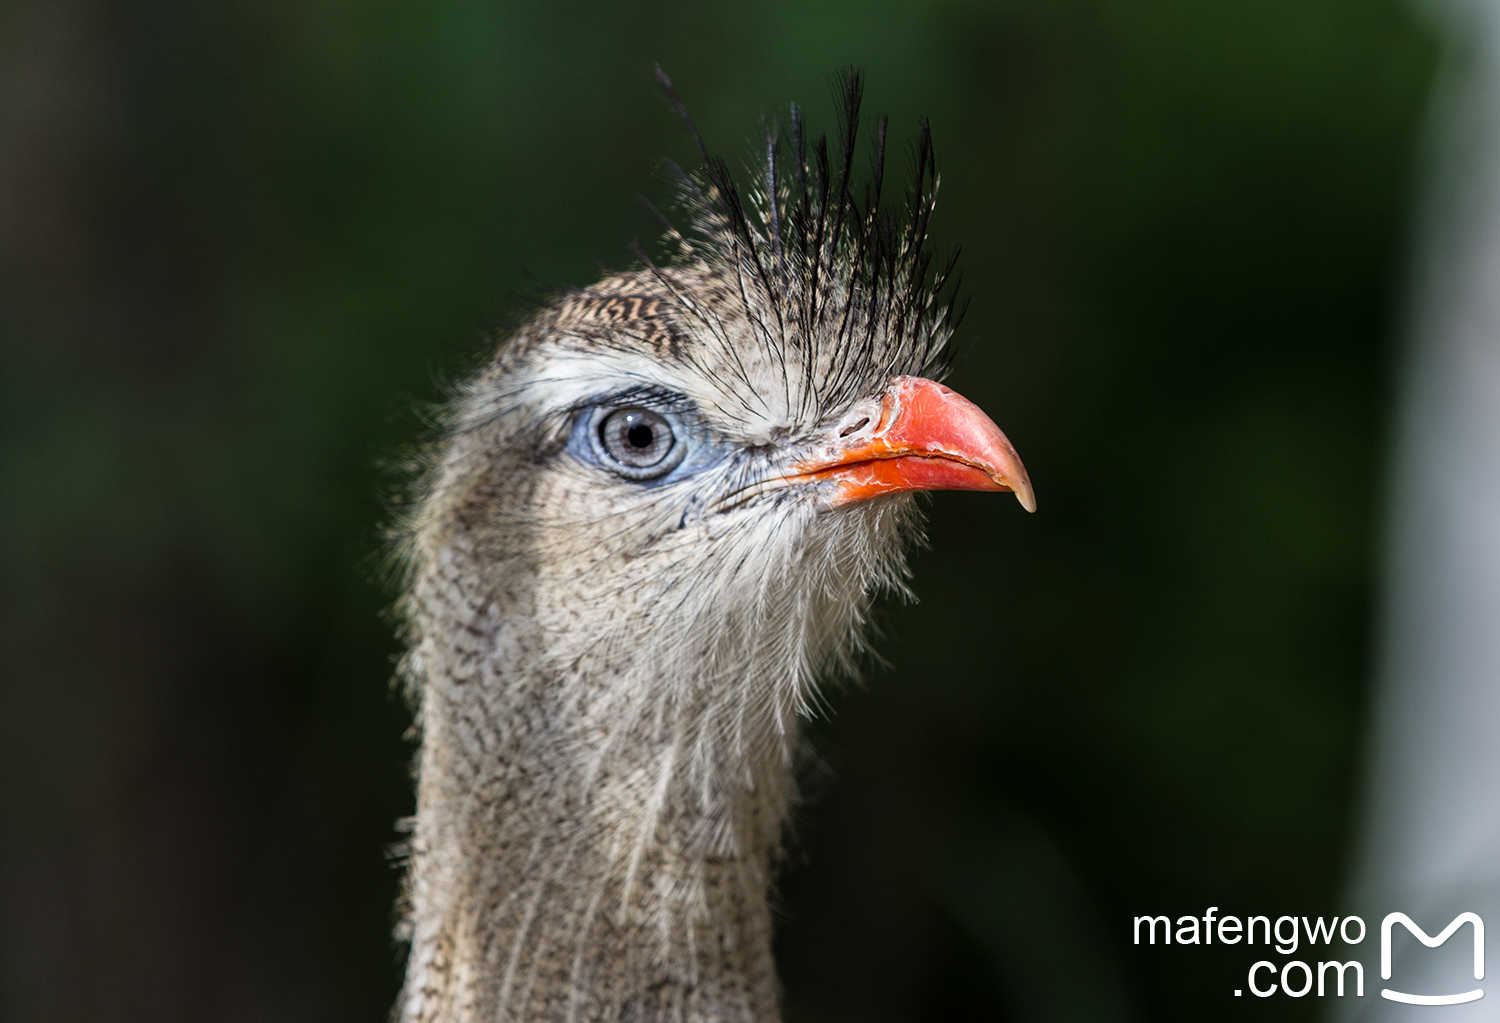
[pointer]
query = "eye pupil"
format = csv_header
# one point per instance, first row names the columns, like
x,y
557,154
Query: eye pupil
x,y
640,435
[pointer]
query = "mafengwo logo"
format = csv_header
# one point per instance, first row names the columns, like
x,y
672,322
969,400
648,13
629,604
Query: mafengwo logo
x,y
1342,974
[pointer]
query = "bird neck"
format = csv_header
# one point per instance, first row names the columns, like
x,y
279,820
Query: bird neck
x,y
595,832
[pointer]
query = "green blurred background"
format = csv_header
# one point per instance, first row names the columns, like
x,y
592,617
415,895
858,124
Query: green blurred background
x,y
242,243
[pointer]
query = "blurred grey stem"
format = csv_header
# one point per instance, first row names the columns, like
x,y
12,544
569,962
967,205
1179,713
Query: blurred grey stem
x,y
1431,839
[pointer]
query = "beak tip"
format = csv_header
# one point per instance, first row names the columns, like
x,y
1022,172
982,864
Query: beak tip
x,y
1025,496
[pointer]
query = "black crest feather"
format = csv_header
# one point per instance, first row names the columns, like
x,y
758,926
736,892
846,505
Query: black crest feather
x,y
840,286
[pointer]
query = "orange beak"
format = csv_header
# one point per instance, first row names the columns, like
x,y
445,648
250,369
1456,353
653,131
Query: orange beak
x,y
921,436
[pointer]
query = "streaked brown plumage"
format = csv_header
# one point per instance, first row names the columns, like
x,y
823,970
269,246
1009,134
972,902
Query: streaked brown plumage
x,y
656,517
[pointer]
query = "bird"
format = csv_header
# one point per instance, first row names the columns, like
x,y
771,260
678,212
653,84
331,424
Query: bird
x,y
650,526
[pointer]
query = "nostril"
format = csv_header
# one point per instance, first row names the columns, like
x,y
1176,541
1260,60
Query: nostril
x,y
846,431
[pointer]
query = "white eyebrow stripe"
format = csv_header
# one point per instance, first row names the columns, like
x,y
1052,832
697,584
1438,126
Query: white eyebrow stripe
x,y
569,379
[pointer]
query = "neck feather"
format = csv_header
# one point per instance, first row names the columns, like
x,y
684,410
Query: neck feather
x,y
605,768
594,837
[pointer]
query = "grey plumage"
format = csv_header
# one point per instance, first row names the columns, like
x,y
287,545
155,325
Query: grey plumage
x,y
610,664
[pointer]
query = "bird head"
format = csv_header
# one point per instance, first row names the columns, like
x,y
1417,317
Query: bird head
x,y
698,473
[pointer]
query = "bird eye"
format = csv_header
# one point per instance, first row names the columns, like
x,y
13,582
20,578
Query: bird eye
x,y
638,443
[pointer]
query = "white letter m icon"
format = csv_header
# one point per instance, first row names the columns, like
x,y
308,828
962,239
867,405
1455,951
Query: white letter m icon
x,y
1421,935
